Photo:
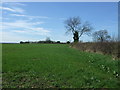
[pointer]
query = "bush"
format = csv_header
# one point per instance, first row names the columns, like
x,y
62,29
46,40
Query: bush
x,y
21,42
110,48
68,42
58,41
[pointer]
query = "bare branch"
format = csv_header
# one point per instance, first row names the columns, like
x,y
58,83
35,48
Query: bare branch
x,y
101,35
74,25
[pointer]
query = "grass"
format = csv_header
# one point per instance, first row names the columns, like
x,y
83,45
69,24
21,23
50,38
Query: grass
x,y
56,66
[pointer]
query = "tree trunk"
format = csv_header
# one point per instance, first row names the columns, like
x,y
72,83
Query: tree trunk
x,y
76,36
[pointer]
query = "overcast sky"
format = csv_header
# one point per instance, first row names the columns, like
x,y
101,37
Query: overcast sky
x,y
35,21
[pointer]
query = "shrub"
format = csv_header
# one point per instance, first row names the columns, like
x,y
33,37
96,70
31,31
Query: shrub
x,y
58,41
68,42
110,48
21,42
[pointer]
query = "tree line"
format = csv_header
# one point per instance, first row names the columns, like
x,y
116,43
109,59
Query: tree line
x,y
48,40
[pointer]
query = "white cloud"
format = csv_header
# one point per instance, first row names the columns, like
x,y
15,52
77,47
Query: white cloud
x,y
19,31
40,31
22,29
13,37
30,17
20,24
25,27
33,31
21,15
13,9
19,10
8,9
14,4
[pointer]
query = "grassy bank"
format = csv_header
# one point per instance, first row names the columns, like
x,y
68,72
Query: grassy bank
x,y
56,66
109,48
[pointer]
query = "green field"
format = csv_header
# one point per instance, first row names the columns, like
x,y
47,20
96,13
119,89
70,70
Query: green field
x,y
56,66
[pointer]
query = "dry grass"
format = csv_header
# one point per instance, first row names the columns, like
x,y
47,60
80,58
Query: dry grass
x,y
110,48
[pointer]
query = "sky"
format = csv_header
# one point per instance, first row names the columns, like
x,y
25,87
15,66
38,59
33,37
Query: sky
x,y
35,21
60,0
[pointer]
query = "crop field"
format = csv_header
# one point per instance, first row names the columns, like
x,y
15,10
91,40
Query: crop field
x,y
56,66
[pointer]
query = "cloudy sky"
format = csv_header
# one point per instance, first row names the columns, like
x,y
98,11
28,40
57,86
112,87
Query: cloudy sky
x,y
35,21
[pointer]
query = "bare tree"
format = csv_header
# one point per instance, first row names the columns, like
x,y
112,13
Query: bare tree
x,y
101,36
74,25
48,39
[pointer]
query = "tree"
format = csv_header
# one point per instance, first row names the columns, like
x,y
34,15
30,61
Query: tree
x,y
48,40
101,36
58,41
68,42
21,42
73,24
